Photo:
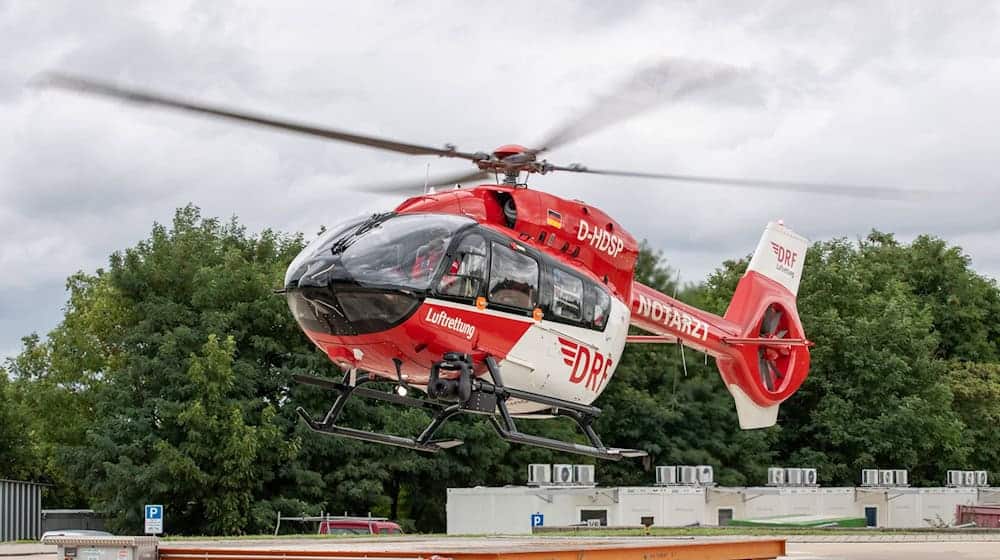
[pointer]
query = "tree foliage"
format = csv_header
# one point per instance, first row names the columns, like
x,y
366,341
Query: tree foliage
x,y
169,381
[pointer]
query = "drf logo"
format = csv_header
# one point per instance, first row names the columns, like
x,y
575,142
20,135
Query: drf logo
x,y
585,364
786,257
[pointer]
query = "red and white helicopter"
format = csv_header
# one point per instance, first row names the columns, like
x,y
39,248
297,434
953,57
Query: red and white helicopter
x,y
510,302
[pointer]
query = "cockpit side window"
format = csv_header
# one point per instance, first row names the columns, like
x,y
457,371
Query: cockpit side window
x,y
466,271
567,295
513,278
597,307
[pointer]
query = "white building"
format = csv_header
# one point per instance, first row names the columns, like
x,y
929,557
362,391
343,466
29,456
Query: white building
x,y
509,510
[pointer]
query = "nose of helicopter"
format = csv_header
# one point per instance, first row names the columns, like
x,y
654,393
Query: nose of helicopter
x,y
369,275
324,299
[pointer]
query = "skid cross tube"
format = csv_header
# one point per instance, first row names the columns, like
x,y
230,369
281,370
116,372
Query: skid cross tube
x,y
443,410
345,391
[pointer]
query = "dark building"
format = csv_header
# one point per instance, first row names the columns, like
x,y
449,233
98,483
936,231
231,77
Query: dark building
x,y
20,510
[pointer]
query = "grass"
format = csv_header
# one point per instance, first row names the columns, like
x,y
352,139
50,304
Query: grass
x,y
625,532
741,531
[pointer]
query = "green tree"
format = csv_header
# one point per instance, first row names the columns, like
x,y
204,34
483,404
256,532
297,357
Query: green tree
x,y
168,375
976,387
18,459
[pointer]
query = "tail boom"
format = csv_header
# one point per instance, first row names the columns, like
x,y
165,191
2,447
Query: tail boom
x,y
759,344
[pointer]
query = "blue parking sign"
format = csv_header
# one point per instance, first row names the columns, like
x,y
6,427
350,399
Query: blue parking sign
x,y
154,519
537,520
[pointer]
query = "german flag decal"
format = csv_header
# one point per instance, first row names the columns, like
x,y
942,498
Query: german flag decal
x,y
554,219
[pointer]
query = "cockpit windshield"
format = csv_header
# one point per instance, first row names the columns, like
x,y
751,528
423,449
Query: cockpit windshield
x,y
398,250
403,251
322,243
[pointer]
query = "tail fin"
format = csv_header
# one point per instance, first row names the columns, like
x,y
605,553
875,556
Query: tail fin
x,y
773,344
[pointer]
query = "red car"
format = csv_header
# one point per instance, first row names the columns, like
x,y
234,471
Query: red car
x,y
359,526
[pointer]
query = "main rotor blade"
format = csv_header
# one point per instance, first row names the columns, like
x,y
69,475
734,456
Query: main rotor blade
x,y
837,189
667,80
415,187
86,85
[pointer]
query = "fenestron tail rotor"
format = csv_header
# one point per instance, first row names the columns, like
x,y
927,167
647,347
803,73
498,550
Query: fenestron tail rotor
x,y
767,356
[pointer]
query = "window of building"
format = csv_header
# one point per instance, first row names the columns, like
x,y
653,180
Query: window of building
x,y
467,270
567,295
513,278
725,516
598,517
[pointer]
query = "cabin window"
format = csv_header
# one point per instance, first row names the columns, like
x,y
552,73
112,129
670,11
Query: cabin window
x,y
567,295
597,307
467,270
513,278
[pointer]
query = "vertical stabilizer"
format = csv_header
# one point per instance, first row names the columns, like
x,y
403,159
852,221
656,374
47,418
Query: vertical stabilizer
x,y
773,348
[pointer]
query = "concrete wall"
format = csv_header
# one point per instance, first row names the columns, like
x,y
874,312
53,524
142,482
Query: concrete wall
x,y
479,511
508,510
757,502
917,507
669,506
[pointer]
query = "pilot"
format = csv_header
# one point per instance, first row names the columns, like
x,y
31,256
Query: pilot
x,y
427,258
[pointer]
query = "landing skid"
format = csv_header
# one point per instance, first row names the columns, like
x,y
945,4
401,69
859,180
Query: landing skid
x,y
477,396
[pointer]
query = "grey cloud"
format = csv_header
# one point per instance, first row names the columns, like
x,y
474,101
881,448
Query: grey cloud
x,y
901,95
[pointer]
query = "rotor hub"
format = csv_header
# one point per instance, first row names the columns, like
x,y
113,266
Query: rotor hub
x,y
507,150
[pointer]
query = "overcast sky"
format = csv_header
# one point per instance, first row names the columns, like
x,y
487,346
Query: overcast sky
x,y
901,94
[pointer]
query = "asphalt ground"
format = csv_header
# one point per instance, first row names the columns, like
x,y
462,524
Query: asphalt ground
x,y
942,550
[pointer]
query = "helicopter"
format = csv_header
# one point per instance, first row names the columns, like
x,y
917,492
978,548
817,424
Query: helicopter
x,y
508,302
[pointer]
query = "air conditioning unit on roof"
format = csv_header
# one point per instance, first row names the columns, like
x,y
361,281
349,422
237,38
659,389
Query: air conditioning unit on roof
x,y
666,475
885,478
956,478
584,475
706,476
688,475
982,478
562,474
539,474
809,477
775,476
869,477
900,477
793,476
969,478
